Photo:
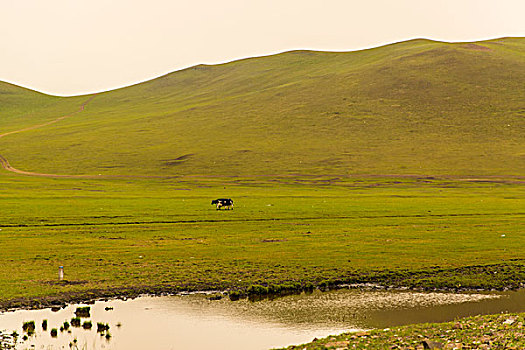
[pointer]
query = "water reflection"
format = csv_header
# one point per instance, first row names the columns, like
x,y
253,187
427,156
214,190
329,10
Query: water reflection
x,y
193,321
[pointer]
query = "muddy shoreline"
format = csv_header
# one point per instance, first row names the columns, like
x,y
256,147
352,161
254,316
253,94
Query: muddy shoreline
x,y
500,331
479,278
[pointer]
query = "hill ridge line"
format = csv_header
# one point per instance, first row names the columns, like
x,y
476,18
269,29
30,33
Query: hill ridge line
x,y
491,40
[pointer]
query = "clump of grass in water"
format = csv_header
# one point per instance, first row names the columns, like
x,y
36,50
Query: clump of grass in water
x,y
73,343
14,335
83,311
44,325
29,327
102,327
87,325
66,325
54,332
258,292
75,321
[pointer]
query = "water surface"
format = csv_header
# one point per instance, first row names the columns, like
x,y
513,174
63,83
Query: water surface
x,y
194,322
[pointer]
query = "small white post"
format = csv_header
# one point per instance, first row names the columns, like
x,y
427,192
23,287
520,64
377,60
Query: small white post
x,y
61,273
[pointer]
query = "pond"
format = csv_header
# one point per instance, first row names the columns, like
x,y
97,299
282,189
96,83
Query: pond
x,y
193,321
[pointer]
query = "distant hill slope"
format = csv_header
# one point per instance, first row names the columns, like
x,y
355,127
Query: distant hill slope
x,y
416,107
21,107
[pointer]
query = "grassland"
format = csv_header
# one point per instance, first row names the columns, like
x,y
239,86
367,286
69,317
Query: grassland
x,y
400,165
163,235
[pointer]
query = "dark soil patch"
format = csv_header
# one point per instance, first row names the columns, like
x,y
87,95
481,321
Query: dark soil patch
x,y
178,160
63,283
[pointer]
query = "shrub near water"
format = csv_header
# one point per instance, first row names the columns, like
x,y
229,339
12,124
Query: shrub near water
x,y
257,290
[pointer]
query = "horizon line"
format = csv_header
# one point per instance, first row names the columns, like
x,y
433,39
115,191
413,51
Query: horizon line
x,y
252,57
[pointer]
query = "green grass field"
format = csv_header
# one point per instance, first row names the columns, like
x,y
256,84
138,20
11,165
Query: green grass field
x,y
401,165
152,233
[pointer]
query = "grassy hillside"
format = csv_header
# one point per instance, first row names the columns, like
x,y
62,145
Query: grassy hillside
x,y
21,108
416,107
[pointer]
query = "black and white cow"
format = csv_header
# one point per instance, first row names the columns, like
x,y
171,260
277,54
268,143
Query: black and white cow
x,y
223,203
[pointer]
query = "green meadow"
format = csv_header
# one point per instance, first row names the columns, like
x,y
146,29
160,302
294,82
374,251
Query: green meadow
x,y
150,234
401,165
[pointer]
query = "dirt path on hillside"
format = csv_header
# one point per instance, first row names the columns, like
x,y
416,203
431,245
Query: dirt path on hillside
x,y
80,109
7,166
5,163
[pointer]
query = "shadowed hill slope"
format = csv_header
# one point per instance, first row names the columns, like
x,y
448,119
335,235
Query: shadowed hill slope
x,y
416,107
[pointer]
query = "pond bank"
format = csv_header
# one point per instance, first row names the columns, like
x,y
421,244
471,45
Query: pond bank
x,y
502,331
495,277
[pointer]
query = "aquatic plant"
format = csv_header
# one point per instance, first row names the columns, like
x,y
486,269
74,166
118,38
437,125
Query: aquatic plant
x,y
66,325
54,332
87,325
44,325
102,327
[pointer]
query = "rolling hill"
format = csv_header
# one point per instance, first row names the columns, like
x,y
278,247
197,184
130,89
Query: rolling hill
x,y
416,107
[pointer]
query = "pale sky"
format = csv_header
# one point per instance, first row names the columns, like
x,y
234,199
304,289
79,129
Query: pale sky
x,y
69,47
